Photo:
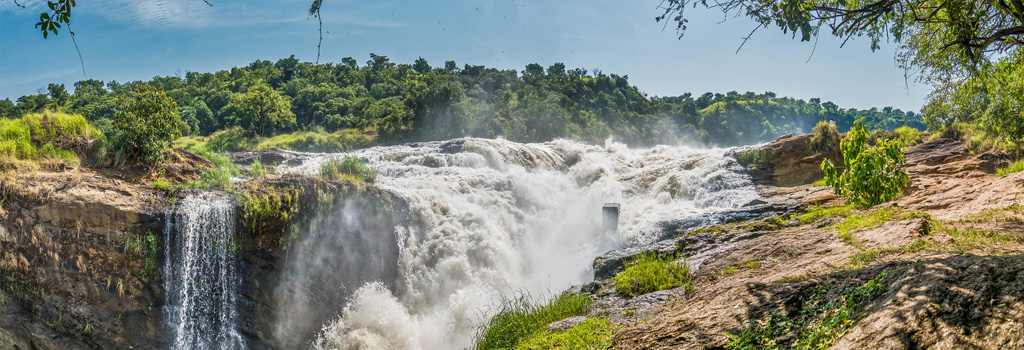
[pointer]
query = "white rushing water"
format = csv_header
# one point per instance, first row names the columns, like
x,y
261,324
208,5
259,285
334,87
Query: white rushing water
x,y
200,274
488,217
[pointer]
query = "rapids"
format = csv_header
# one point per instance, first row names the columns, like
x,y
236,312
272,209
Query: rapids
x,y
481,218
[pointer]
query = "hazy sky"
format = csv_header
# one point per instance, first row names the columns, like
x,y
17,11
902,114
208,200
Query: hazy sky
x,y
128,40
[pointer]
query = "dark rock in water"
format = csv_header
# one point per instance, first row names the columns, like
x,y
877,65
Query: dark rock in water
x,y
270,156
755,202
453,146
697,249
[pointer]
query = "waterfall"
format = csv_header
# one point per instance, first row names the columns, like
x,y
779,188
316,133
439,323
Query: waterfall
x,y
200,273
480,218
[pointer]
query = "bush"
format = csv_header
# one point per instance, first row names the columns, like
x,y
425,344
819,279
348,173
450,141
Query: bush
x,y
825,138
649,272
521,317
347,168
755,156
146,122
873,175
908,136
1010,169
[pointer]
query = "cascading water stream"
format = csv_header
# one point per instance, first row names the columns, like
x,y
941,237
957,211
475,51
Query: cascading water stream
x,y
481,218
200,273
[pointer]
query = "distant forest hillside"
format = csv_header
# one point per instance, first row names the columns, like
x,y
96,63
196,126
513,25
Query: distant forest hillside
x,y
421,102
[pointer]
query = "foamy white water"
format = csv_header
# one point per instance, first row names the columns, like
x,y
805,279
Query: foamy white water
x,y
486,217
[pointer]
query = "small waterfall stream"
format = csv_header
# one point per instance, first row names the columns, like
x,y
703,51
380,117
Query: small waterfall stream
x,y
200,273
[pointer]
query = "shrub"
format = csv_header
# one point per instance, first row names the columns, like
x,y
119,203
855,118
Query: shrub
x,y
347,168
649,272
825,137
1010,169
908,136
519,318
145,123
755,156
873,175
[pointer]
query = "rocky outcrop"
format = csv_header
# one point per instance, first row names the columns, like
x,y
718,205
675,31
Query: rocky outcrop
x,y
787,161
72,275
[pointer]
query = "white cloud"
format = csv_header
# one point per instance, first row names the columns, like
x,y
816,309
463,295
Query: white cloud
x,y
160,14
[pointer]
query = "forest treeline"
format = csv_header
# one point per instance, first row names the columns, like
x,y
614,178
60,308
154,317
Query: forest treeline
x,y
421,102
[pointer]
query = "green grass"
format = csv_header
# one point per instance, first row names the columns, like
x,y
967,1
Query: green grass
x,y
46,135
752,264
349,168
232,140
908,136
868,256
649,272
816,213
594,333
819,323
257,171
967,238
308,141
774,223
518,319
162,184
716,230
755,156
1010,169
874,218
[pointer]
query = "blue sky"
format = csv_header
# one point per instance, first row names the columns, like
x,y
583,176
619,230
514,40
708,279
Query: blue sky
x,y
128,40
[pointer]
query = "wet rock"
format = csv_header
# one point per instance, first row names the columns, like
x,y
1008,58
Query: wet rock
x,y
697,249
747,213
566,324
270,156
453,146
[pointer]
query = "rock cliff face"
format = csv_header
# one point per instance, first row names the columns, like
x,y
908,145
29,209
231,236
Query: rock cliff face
x,y
946,256
73,274
787,161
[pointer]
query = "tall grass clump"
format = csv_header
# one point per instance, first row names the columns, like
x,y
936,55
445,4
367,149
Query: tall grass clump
x,y
594,333
521,317
908,136
348,168
650,272
218,176
48,135
824,138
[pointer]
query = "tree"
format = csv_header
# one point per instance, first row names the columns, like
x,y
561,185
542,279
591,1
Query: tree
x,y
262,106
945,38
421,66
873,175
145,123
